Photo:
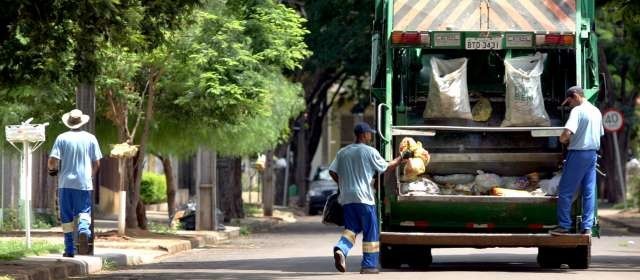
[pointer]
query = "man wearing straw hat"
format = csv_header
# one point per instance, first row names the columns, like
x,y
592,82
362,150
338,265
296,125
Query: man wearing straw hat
x,y
75,158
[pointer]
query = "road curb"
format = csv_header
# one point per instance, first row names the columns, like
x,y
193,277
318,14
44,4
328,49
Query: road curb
x,y
50,267
629,227
55,267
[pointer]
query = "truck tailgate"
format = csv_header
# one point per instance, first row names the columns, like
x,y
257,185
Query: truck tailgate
x,y
483,240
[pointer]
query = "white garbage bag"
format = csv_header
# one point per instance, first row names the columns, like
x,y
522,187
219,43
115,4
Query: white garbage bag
x,y
448,93
524,101
550,187
486,181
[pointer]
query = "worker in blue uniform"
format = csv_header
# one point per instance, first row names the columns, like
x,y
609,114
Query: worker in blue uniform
x,y
75,159
582,134
353,169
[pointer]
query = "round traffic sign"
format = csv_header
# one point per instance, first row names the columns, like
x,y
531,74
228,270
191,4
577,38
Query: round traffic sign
x,y
612,120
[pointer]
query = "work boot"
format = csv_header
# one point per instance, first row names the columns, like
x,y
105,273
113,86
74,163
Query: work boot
x,y
67,255
369,270
557,231
340,260
83,244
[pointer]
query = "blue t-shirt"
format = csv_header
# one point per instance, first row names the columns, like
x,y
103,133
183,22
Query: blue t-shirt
x,y
356,165
585,122
76,150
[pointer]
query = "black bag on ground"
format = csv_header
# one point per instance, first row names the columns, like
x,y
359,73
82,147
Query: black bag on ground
x,y
333,212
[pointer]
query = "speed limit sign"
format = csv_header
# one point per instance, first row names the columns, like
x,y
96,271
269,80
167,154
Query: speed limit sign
x,y
612,120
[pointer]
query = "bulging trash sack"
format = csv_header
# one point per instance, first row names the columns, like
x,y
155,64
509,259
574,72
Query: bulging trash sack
x,y
481,112
413,168
524,100
550,187
448,93
486,181
409,144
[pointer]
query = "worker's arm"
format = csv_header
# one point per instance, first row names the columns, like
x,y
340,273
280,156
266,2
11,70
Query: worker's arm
x,y
565,136
394,163
334,176
94,167
52,163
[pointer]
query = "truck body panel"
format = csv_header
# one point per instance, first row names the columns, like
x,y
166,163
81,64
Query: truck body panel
x,y
406,35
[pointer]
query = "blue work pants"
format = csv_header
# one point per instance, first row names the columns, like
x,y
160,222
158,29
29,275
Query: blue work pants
x,y
74,203
579,174
359,217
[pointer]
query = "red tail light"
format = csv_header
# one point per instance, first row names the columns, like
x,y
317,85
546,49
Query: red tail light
x,y
555,40
410,38
552,39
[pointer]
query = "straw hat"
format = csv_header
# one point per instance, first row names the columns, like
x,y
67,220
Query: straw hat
x,y
75,119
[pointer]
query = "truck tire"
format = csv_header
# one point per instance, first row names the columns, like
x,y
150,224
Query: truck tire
x,y
389,258
550,257
419,257
581,257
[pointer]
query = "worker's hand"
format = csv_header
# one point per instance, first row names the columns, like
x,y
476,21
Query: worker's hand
x,y
407,154
53,172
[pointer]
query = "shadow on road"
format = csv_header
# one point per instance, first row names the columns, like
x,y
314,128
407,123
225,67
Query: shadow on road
x,y
277,268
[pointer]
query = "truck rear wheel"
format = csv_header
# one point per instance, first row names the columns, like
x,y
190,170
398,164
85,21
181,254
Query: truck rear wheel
x,y
394,256
581,257
389,258
550,257
420,257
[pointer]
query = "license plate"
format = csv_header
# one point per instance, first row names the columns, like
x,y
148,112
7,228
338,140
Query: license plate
x,y
491,43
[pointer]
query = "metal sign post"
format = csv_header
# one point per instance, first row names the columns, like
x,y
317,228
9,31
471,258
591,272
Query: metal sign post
x,y
612,121
26,133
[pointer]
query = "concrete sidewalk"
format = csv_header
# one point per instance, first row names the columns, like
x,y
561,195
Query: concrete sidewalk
x,y
136,248
629,218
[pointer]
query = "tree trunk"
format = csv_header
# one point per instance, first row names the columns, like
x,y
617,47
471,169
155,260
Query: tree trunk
x,y
268,187
612,190
301,167
134,204
230,187
86,102
171,184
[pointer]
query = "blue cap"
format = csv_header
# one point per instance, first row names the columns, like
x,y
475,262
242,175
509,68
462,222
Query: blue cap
x,y
362,127
575,90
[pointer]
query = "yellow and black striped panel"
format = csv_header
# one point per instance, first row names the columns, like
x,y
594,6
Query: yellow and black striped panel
x,y
472,15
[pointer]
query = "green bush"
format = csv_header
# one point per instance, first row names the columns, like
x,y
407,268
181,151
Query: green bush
x,y
633,190
13,219
153,188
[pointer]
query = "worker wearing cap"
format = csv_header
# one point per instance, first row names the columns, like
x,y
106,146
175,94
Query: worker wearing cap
x,y
582,134
353,169
75,159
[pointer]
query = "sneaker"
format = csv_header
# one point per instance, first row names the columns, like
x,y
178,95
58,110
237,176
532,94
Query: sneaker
x,y
559,231
370,270
340,261
83,244
586,231
67,255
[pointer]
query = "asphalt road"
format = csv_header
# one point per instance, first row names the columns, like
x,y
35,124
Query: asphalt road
x,y
303,251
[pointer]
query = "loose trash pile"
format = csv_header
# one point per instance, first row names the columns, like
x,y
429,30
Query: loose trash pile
x,y
415,182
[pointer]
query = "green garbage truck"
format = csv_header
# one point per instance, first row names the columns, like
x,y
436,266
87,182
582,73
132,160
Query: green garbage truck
x,y
480,83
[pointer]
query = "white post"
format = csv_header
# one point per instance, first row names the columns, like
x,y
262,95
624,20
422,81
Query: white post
x,y
26,179
122,194
616,151
1,187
